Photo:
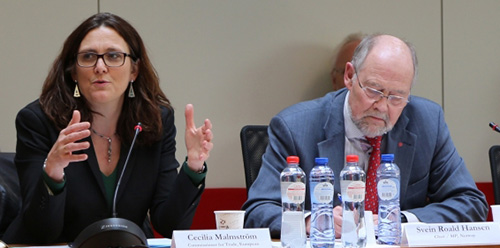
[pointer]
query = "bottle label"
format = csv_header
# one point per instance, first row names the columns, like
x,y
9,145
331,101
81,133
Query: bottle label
x,y
296,192
353,191
387,189
323,192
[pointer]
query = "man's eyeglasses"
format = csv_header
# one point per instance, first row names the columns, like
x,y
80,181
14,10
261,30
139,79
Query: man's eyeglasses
x,y
376,95
111,59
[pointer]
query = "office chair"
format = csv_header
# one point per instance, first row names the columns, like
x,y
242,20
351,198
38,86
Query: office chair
x,y
254,141
494,154
10,192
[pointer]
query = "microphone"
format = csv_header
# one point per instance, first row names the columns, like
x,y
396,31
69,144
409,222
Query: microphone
x,y
114,231
138,129
495,127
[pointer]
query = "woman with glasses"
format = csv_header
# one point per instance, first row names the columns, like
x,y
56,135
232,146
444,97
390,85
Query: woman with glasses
x,y
73,142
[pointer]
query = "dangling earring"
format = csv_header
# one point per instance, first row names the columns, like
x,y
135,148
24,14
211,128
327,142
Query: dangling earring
x,y
76,94
131,93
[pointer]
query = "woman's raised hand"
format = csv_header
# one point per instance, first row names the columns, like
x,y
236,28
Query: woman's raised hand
x,y
62,152
198,140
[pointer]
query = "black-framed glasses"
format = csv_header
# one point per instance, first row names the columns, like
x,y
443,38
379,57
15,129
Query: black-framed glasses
x,y
377,95
111,59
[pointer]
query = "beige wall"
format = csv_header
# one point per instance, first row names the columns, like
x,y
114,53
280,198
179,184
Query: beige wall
x,y
472,79
240,62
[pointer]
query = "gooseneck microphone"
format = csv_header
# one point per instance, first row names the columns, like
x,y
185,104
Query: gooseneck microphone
x,y
113,232
495,127
138,129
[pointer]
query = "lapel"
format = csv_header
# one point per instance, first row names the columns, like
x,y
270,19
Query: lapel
x,y
402,143
94,168
128,171
333,145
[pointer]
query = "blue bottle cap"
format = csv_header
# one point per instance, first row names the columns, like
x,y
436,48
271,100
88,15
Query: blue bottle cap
x,y
387,157
321,161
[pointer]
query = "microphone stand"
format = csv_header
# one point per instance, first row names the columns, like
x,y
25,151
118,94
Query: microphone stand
x,y
113,232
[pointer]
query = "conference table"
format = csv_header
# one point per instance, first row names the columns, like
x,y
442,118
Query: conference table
x,y
277,245
165,243
153,243
338,244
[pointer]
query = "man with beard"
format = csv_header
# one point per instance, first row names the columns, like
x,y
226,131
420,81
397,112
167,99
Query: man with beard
x,y
435,183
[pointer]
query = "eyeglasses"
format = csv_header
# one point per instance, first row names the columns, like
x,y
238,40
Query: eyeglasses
x,y
111,59
376,95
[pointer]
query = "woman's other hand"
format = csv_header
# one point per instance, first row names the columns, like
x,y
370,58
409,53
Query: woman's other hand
x,y
198,140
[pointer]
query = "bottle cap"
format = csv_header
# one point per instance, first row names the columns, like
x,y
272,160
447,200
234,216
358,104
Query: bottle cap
x,y
351,158
387,157
321,161
292,160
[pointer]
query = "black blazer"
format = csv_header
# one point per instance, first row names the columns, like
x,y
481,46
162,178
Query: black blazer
x,y
10,197
151,182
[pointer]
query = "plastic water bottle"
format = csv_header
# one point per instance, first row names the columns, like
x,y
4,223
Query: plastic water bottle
x,y
321,181
293,194
389,212
352,184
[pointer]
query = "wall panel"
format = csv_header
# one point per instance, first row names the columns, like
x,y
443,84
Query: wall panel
x,y
31,35
239,62
472,79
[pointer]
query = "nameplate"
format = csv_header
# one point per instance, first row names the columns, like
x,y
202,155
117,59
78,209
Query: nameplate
x,y
229,238
446,234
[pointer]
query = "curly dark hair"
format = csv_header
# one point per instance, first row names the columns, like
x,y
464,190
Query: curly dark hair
x,y
57,99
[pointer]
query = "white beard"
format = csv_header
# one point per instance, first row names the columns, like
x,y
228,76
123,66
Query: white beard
x,y
365,127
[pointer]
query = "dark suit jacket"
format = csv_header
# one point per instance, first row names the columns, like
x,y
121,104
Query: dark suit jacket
x,y
10,197
435,183
150,182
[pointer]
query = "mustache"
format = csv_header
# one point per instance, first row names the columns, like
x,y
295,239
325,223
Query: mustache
x,y
377,114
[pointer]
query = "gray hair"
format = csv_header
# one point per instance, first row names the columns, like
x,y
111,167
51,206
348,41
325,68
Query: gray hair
x,y
366,45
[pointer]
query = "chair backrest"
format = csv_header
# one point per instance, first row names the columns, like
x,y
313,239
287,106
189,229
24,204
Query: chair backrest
x,y
254,141
494,154
10,195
